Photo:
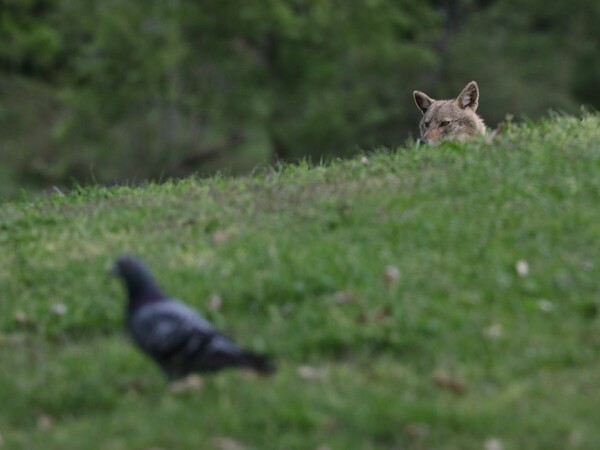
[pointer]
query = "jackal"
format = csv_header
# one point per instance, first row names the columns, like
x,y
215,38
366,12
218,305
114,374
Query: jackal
x,y
450,119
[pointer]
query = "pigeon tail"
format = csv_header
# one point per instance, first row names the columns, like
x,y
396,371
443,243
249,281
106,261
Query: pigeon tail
x,y
257,362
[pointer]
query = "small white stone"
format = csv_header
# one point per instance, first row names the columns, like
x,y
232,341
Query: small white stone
x,y
60,309
522,268
493,444
215,302
494,331
545,305
311,373
391,275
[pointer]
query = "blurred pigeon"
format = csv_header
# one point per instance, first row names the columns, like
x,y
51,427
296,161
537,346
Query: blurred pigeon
x,y
179,339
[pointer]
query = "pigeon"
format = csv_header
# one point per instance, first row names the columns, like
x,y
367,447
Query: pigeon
x,y
174,335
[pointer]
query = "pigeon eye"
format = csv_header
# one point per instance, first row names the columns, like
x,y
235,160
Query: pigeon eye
x,y
444,123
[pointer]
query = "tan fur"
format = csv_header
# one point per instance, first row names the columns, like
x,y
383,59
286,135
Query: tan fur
x,y
450,119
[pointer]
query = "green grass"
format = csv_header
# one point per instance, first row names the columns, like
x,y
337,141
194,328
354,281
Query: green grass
x,y
458,350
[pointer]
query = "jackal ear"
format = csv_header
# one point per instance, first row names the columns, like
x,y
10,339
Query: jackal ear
x,y
423,101
469,97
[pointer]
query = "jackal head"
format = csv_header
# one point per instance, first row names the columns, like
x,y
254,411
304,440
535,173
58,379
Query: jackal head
x,y
450,119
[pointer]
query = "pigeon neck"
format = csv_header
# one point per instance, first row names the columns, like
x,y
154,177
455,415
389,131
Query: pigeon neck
x,y
142,289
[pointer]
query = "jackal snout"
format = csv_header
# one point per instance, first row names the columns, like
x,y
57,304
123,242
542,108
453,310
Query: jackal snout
x,y
450,119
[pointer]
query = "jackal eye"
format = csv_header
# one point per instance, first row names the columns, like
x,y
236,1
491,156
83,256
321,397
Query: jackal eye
x,y
426,124
444,123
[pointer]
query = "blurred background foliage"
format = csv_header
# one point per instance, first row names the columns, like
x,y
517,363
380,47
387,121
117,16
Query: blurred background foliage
x,y
112,91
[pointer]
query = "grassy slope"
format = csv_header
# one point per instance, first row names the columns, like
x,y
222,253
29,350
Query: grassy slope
x,y
298,257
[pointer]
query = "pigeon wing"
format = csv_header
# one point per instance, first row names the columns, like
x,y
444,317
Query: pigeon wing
x,y
164,329
181,340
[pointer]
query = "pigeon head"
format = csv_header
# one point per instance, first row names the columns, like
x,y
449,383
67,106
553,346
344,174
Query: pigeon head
x,y
139,282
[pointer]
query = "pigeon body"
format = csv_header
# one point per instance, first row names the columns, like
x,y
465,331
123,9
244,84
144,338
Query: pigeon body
x,y
178,338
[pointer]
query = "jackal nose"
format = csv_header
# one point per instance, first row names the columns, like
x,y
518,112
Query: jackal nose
x,y
421,141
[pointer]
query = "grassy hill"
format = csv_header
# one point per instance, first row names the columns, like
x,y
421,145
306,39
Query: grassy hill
x,y
425,298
